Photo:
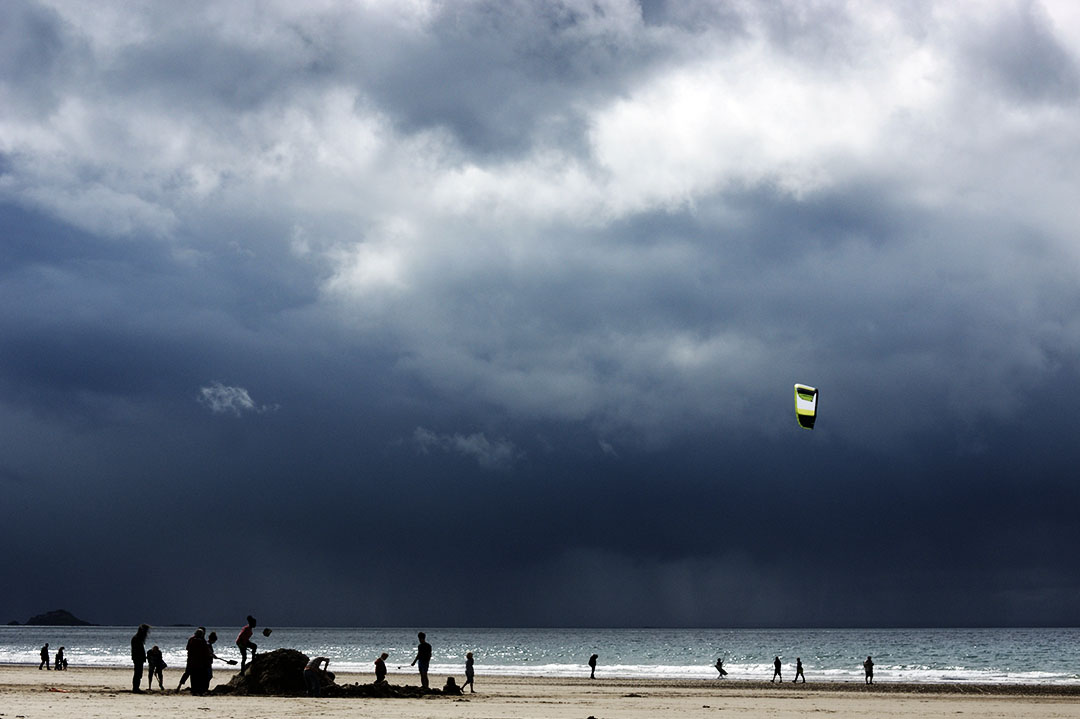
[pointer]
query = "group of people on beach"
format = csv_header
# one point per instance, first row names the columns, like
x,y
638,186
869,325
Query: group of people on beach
x,y
59,663
777,667
199,667
201,655
868,669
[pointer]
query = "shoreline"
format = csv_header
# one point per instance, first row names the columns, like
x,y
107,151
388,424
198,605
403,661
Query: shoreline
x,y
117,679
98,693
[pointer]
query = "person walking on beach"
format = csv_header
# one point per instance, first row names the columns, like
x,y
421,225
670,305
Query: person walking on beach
x,y
592,666
156,663
798,671
720,668
243,641
313,675
423,657
60,663
868,668
380,668
44,657
776,671
469,675
138,656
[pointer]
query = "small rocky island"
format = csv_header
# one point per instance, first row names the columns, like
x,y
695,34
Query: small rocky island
x,y
56,618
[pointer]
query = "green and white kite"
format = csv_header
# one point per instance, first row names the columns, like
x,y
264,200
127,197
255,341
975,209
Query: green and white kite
x,y
805,405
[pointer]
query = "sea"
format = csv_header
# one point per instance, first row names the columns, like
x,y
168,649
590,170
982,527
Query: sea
x,y
990,656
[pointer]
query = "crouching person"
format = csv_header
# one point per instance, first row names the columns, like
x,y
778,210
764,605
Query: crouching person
x,y
313,675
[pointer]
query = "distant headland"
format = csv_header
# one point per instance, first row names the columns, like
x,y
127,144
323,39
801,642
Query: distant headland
x,y
56,618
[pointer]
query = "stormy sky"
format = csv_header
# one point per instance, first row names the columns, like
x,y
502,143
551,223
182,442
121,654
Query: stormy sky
x,y
488,312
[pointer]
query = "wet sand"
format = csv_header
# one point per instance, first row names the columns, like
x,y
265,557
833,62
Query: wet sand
x,y
27,693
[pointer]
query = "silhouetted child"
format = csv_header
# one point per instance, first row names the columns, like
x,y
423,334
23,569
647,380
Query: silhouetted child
x,y
720,668
776,671
156,663
210,641
380,668
592,666
243,641
798,671
451,687
469,675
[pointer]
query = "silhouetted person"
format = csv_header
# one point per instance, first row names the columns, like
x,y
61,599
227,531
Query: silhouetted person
x,y
798,671
138,656
776,671
469,674
720,668
44,657
198,662
187,665
313,675
210,641
423,658
60,662
380,668
592,666
868,668
243,640
451,687
156,663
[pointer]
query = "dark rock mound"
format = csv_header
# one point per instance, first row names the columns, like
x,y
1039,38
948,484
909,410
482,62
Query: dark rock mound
x,y
280,673
58,618
382,690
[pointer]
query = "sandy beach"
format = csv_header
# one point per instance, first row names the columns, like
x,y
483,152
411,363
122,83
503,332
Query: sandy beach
x,y
27,693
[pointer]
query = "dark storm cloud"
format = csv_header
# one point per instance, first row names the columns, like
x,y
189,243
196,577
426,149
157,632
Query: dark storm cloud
x,y
498,74
343,298
33,51
1020,54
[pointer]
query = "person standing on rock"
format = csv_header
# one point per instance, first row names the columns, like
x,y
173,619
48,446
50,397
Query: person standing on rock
x,y
138,656
423,658
243,641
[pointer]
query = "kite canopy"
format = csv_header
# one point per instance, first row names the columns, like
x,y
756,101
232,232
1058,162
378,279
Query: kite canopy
x,y
805,405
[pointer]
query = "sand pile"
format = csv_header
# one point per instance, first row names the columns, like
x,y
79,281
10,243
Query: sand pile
x,y
281,673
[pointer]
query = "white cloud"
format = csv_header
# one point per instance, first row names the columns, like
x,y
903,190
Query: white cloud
x,y
222,399
490,454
